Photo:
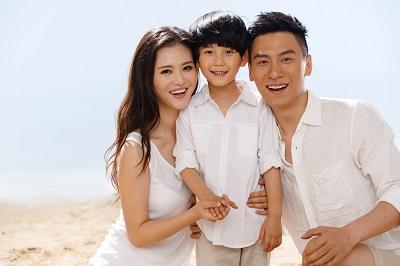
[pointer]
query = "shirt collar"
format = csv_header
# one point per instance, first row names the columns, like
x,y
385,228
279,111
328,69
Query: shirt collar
x,y
246,95
312,114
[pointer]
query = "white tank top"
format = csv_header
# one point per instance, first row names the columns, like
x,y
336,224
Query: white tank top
x,y
168,196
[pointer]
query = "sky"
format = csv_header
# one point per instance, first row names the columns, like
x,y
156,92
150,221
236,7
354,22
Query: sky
x,y
64,68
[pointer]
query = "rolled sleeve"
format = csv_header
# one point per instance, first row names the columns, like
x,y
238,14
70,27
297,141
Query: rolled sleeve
x,y
268,150
184,150
376,153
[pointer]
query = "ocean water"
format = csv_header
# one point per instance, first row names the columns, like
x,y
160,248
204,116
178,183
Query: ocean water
x,y
23,186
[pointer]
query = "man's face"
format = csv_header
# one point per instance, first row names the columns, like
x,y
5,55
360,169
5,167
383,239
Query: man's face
x,y
278,68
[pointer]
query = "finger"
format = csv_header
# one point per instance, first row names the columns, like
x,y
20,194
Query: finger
x,y
192,200
223,210
195,235
314,244
233,204
218,212
212,212
317,255
257,196
208,216
194,228
261,235
211,204
312,232
262,212
331,257
257,205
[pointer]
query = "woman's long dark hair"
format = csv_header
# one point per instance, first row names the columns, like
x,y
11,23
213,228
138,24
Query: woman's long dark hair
x,y
139,109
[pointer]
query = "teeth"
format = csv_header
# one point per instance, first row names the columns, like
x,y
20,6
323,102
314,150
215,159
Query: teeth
x,y
276,87
178,91
219,72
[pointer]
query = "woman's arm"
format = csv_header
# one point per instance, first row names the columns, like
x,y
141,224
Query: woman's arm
x,y
134,192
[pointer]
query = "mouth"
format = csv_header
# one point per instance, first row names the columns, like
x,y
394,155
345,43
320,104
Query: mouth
x,y
179,92
277,88
219,73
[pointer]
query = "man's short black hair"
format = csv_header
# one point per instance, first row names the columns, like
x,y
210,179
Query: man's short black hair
x,y
271,22
219,27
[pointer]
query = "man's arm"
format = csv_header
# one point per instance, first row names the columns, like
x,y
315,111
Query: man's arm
x,y
374,152
331,244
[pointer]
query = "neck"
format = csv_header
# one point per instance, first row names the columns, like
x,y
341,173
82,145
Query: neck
x,y
166,125
224,91
288,117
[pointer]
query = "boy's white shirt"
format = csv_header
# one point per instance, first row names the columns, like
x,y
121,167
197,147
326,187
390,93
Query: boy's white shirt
x,y
229,152
344,162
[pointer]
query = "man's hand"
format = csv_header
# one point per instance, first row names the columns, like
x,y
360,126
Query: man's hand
x,y
196,232
258,200
328,245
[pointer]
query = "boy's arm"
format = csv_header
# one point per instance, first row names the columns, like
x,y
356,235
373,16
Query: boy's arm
x,y
272,180
271,230
196,184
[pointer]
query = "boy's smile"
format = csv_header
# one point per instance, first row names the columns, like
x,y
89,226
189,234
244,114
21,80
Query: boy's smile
x,y
219,64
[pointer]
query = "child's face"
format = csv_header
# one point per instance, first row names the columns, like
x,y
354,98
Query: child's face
x,y
220,64
175,77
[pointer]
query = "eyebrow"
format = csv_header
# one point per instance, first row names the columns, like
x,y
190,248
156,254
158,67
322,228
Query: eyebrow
x,y
171,66
262,55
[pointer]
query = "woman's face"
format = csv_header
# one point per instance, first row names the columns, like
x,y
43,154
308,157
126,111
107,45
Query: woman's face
x,y
175,77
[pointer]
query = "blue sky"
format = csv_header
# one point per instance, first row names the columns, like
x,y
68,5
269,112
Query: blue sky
x,y
64,67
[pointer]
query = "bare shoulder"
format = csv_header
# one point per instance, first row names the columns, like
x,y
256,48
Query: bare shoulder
x,y
130,157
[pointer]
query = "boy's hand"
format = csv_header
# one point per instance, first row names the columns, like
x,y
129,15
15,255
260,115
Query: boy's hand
x,y
271,233
203,209
221,211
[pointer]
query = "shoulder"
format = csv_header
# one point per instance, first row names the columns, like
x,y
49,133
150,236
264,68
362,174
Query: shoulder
x,y
131,152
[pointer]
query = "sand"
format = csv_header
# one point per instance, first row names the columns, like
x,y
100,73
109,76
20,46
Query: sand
x,y
67,232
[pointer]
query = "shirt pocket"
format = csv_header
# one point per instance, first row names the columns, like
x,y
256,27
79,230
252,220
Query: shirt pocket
x,y
247,140
333,195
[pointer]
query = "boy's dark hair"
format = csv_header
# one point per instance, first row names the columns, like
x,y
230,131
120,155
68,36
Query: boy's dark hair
x,y
219,27
271,22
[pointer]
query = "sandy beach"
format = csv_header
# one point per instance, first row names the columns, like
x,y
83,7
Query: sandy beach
x,y
67,232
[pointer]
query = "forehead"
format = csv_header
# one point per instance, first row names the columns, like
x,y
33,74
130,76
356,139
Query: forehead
x,y
175,53
275,43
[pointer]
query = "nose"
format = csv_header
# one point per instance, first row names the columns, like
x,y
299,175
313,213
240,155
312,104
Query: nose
x,y
275,70
178,78
219,59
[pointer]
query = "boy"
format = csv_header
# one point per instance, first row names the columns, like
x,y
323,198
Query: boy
x,y
220,151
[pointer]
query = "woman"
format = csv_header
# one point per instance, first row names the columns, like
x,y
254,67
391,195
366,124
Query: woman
x,y
153,228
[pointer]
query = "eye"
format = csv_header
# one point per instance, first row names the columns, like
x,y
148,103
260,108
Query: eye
x,y
207,52
230,52
166,72
262,62
287,59
188,68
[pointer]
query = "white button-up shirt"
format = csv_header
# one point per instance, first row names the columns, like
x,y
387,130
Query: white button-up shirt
x,y
225,151
344,162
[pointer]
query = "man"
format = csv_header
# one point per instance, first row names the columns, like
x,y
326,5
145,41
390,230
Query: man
x,y
341,173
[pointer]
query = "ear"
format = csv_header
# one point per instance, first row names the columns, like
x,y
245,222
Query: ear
x,y
250,72
308,69
245,59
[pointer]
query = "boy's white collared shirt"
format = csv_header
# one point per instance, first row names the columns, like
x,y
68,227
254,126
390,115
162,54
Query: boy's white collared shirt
x,y
344,162
224,150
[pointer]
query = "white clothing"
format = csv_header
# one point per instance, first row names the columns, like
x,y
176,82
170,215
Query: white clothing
x,y
223,149
168,197
344,162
